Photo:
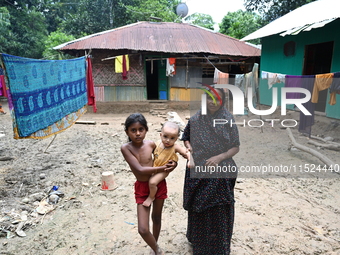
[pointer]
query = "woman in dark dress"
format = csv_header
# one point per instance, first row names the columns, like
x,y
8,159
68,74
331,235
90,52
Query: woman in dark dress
x,y
210,201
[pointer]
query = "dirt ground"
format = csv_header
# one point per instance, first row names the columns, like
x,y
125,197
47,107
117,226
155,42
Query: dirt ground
x,y
277,213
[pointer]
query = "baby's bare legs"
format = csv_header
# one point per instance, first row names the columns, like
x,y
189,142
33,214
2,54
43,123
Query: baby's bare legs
x,y
153,182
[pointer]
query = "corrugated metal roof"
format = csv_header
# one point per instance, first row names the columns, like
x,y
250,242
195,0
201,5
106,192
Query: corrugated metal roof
x,y
312,15
164,37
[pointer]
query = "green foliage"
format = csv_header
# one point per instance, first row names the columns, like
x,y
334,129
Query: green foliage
x,y
202,20
55,39
55,12
27,32
273,9
4,17
96,16
142,10
4,28
25,24
240,24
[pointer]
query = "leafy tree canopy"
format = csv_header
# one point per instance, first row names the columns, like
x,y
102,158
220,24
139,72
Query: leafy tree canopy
x,y
273,9
202,20
96,16
240,24
4,17
55,39
27,30
142,10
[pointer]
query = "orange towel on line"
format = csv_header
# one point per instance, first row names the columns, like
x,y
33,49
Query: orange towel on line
x,y
322,82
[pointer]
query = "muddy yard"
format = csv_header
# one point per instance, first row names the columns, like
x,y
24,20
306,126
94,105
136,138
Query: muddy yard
x,y
278,213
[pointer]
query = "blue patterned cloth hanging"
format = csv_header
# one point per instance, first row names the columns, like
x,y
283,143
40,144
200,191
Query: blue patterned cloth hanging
x,y
43,92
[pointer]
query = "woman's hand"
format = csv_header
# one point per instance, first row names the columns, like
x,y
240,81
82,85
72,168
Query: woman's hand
x,y
170,166
213,161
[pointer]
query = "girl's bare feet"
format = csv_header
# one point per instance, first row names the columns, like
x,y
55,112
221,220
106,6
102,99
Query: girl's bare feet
x,y
159,251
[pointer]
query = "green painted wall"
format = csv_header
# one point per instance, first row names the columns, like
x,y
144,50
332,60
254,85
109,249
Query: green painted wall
x,y
274,60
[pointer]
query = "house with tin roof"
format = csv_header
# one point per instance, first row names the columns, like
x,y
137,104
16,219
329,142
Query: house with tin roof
x,y
197,52
306,41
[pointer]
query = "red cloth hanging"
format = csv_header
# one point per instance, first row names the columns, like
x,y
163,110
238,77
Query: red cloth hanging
x,y
172,61
90,85
124,68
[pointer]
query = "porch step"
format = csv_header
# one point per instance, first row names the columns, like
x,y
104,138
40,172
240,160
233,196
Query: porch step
x,y
158,105
158,108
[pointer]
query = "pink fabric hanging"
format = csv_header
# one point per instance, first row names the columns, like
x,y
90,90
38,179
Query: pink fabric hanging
x,y
3,90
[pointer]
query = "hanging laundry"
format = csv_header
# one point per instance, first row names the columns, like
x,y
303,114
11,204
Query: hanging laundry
x,y
220,77
281,78
122,65
170,66
254,83
45,96
240,81
91,97
334,88
247,83
1,86
273,78
322,82
124,74
293,81
3,89
216,74
307,121
223,78
119,64
172,62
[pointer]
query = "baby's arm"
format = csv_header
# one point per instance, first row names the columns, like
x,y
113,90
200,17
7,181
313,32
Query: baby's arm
x,y
186,154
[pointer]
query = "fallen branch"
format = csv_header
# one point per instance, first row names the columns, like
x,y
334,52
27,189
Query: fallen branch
x,y
315,153
86,122
329,146
324,140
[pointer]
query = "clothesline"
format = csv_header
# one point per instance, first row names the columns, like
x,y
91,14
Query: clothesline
x,y
323,81
218,69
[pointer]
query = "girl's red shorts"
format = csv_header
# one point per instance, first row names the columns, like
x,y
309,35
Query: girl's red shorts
x,y
142,191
